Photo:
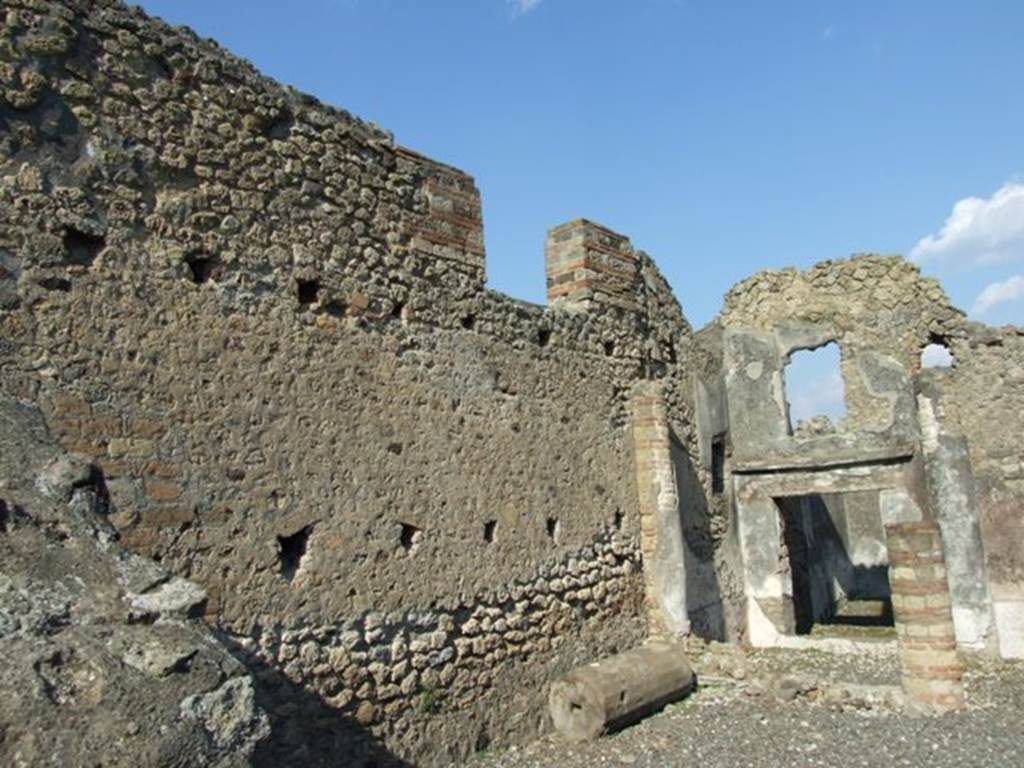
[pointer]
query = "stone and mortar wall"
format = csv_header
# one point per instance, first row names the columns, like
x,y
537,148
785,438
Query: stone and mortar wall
x,y
106,659
411,500
678,414
961,424
661,540
879,310
714,565
872,302
981,400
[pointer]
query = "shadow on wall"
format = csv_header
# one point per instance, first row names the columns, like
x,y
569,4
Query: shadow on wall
x,y
823,574
305,731
704,601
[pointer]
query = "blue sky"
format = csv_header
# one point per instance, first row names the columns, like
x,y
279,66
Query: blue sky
x,y
722,137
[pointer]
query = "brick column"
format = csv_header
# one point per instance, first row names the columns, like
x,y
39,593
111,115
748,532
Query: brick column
x,y
924,618
661,541
588,265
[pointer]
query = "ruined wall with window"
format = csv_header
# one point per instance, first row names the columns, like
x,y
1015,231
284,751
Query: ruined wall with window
x,y
878,309
412,500
925,391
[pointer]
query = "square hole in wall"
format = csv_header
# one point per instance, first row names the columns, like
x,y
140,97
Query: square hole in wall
x,y
937,354
815,393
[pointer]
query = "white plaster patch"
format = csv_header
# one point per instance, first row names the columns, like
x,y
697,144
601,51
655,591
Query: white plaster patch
x,y
839,645
898,507
972,627
754,370
870,552
761,633
772,586
670,558
929,424
1010,625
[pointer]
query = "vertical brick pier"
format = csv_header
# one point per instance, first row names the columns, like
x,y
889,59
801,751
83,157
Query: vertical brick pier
x,y
661,534
589,265
924,618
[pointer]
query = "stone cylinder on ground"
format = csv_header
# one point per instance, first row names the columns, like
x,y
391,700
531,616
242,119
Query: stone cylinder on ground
x,y
931,670
619,690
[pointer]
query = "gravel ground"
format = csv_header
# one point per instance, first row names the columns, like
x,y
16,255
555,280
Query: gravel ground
x,y
748,713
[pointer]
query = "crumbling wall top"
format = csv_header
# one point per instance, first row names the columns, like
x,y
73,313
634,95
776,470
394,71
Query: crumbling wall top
x,y
873,301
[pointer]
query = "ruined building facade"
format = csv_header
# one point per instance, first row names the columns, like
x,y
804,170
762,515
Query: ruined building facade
x,y
412,501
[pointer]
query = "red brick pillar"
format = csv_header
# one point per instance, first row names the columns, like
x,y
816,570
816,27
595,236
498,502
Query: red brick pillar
x,y
589,265
924,618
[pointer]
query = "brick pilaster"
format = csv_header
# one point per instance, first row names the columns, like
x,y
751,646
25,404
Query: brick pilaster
x,y
658,501
924,618
588,265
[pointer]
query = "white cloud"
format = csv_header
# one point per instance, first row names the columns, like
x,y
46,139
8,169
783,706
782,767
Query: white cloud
x,y
820,395
519,7
979,231
1002,292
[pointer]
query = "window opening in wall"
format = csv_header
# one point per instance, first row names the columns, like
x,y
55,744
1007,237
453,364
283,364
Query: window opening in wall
x,y
718,464
937,354
54,284
280,127
815,394
489,528
831,593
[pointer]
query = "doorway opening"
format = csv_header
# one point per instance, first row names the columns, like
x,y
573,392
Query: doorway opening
x,y
833,561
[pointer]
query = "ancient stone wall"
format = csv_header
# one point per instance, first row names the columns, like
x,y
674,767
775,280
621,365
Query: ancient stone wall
x,y
879,310
872,302
411,500
981,399
106,659
956,426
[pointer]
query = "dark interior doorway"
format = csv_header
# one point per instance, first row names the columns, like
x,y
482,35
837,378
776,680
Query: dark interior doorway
x,y
831,590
